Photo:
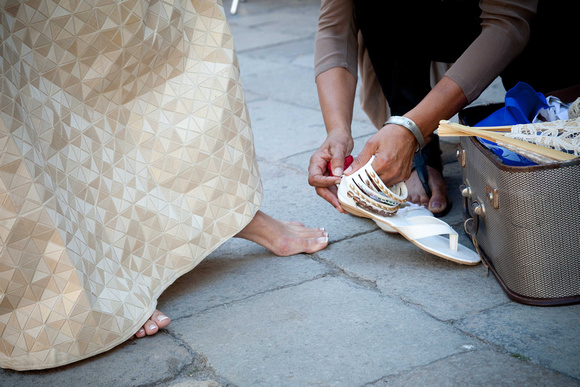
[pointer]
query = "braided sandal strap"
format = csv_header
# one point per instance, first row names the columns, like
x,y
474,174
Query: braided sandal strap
x,y
368,191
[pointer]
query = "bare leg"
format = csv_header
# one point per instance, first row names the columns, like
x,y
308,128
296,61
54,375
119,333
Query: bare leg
x,y
281,238
418,195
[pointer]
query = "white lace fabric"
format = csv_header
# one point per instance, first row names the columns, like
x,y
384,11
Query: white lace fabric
x,y
562,135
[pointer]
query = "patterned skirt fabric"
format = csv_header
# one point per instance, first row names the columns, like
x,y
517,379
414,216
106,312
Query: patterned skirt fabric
x,y
126,157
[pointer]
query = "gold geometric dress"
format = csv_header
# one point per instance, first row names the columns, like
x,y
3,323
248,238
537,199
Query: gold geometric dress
x,y
126,157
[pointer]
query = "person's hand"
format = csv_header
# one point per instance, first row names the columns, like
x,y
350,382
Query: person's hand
x,y
393,147
334,150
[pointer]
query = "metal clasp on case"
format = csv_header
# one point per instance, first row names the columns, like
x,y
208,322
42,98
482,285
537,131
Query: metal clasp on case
x,y
465,191
461,155
492,195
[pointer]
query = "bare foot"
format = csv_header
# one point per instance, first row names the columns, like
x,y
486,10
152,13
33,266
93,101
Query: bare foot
x,y
157,321
284,238
418,195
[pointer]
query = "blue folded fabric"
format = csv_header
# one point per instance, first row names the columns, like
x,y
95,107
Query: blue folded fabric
x,y
522,103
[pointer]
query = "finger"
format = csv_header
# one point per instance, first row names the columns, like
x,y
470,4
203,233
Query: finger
x,y
338,154
317,172
323,181
317,165
337,164
363,157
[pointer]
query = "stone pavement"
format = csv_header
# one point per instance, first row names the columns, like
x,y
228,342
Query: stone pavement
x,y
371,309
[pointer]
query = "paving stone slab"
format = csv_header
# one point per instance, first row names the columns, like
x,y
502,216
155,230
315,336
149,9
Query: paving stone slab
x,y
298,22
270,169
197,374
194,383
282,130
444,289
298,52
294,85
137,362
260,7
235,271
323,332
272,27
549,336
251,68
248,39
479,368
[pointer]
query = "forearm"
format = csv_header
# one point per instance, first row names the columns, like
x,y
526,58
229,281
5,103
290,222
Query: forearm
x,y
442,102
336,93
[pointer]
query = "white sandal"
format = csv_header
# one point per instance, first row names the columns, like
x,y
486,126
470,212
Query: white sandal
x,y
364,194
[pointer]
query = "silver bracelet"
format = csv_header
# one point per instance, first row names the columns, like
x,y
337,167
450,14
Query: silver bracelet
x,y
409,124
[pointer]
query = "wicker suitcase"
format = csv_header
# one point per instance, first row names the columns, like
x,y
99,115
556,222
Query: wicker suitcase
x,y
525,223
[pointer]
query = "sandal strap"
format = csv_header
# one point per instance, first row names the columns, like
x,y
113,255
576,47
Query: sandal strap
x,y
427,226
369,192
397,193
422,173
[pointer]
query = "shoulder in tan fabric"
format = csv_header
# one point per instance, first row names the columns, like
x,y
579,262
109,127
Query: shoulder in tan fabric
x,y
126,157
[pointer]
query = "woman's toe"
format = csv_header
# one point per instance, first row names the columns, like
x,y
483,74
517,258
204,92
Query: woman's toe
x,y
140,333
160,319
316,244
150,327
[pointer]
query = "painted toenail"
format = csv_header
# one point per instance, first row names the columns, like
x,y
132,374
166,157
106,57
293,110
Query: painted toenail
x,y
323,239
152,327
162,318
